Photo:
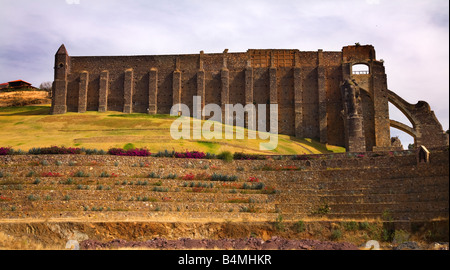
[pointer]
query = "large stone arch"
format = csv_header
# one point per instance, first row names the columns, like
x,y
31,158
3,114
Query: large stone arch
x,y
426,128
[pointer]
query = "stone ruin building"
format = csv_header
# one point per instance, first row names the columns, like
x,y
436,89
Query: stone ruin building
x,y
320,94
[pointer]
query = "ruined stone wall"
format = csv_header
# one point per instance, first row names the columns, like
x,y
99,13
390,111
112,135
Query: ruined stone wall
x,y
272,82
306,85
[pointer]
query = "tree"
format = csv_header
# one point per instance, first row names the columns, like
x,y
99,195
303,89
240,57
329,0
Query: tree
x,y
47,86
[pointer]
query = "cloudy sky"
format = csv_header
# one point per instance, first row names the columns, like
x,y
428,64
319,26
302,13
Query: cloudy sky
x,y
411,36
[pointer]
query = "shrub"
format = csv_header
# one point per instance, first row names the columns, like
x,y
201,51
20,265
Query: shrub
x,y
225,156
69,181
350,226
37,181
400,236
31,173
92,151
159,183
363,225
129,152
160,189
299,226
81,174
153,175
220,177
54,150
171,176
322,210
5,151
32,197
244,156
253,186
336,234
192,154
105,174
129,146
139,183
279,226
81,187
165,154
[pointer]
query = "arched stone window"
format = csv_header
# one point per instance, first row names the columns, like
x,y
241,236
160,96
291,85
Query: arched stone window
x,y
358,69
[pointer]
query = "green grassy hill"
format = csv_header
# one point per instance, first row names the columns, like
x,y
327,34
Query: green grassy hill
x,y
32,126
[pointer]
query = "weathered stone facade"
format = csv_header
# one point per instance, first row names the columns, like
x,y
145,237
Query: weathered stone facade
x,y
318,94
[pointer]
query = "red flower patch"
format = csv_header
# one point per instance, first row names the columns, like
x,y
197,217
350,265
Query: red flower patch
x,y
189,176
4,199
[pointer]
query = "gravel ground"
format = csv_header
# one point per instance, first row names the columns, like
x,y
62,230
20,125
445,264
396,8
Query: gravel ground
x,y
275,243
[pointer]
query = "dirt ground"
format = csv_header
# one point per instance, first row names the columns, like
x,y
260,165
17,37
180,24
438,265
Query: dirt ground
x,y
275,243
188,236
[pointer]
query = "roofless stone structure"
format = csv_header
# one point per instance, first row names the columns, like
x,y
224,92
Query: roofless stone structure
x,y
320,94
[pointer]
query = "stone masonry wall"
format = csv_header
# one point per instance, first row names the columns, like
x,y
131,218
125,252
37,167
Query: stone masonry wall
x,y
305,85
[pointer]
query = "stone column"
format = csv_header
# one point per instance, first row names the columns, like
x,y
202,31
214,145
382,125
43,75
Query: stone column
x,y
201,83
272,87
298,96
249,93
381,105
59,96
298,103
128,91
225,89
103,91
153,91
323,123
82,91
176,84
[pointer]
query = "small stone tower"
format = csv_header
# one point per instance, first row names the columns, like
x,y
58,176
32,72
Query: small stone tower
x,y
59,88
